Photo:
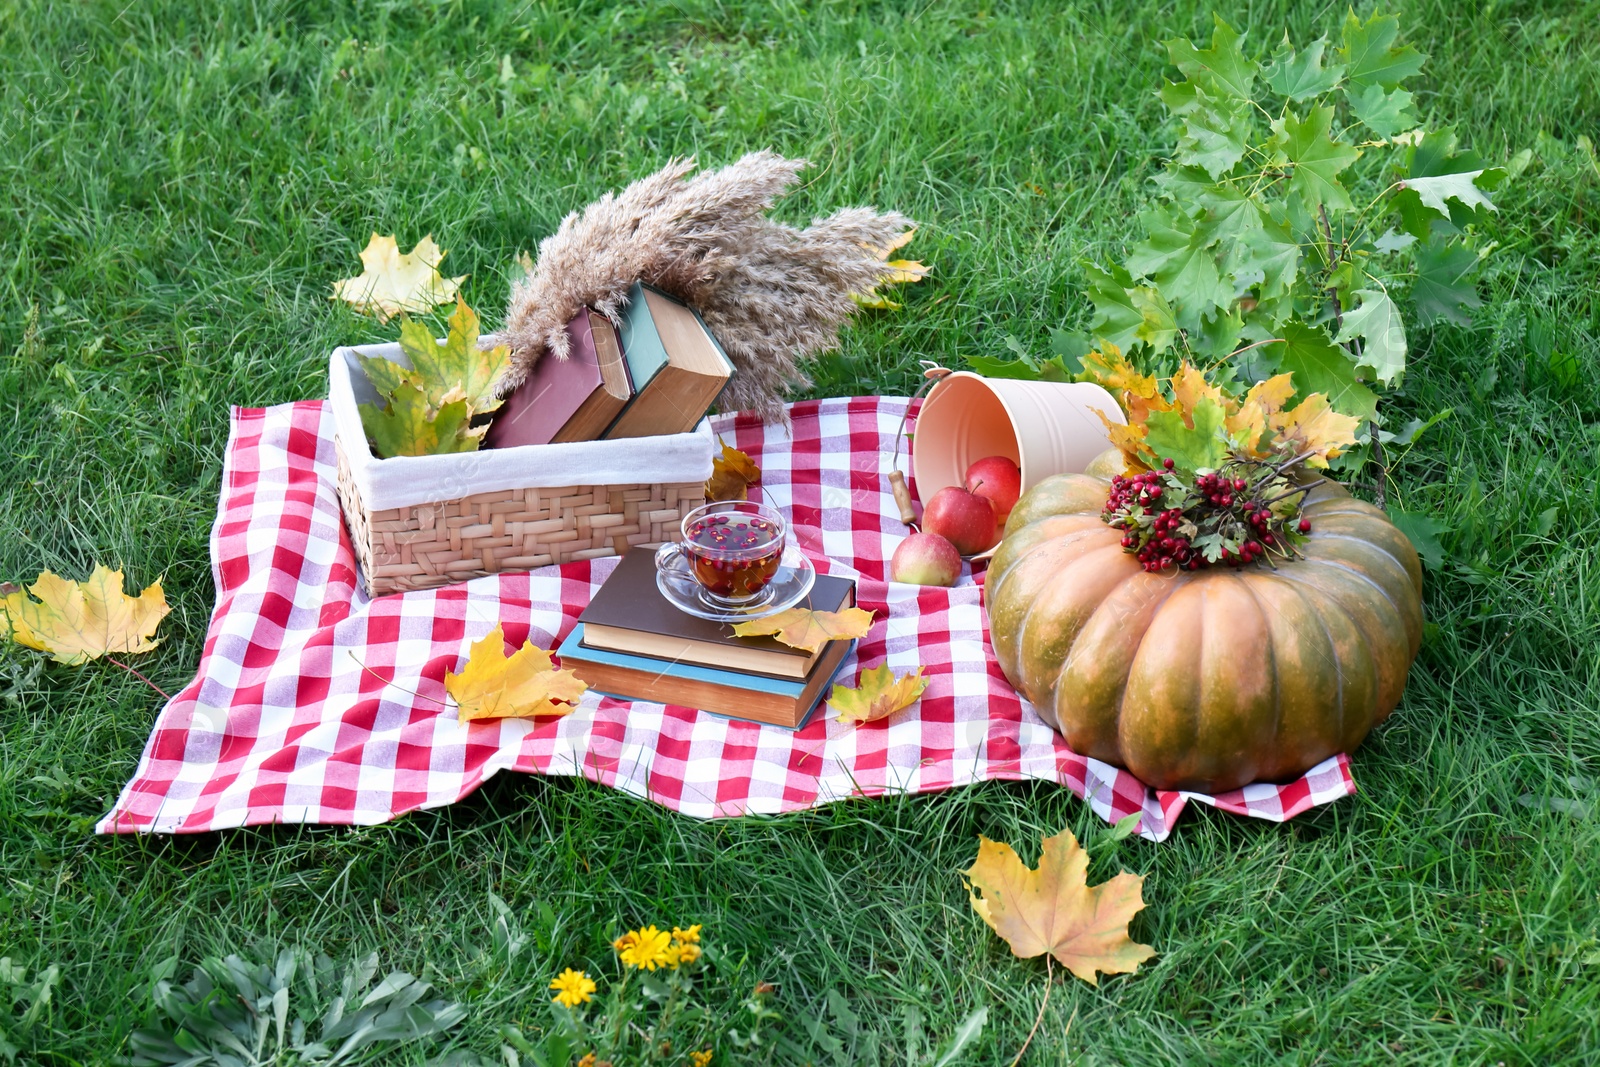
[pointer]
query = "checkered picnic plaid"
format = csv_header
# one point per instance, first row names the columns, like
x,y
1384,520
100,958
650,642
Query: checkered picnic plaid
x,y
314,703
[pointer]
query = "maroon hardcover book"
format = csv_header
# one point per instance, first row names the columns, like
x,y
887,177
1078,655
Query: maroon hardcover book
x,y
572,399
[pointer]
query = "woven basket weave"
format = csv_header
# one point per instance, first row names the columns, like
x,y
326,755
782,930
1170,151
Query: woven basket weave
x,y
435,544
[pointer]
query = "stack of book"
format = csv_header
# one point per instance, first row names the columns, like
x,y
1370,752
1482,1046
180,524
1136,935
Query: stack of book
x,y
631,642
659,374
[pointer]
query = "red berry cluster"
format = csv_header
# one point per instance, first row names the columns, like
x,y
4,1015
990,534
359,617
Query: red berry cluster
x,y
1160,515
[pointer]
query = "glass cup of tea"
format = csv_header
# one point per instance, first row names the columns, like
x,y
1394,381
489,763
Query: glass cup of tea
x,y
732,549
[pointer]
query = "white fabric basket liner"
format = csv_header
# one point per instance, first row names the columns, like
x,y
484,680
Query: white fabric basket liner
x,y
406,481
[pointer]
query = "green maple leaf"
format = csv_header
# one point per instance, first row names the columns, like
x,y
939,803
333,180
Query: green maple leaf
x,y
459,362
1320,366
1434,191
1215,129
1383,111
1377,322
1178,260
1443,288
1369,53
1185,184
1127,314
1271,249
1317,158
1158,328
1218,334
1115,318
412,426
1223,67
1301,75
1203,446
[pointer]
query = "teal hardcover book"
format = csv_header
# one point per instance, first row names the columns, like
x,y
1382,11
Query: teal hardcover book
x,y
642,346
782,702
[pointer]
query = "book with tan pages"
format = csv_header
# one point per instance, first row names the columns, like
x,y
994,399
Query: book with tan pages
x,y
629,614
677,366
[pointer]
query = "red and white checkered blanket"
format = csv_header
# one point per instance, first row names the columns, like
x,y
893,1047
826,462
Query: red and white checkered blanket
x,y
314,703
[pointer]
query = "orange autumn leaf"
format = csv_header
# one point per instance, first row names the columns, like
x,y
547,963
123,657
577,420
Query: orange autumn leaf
x,y
77,622
1053,909
1265,399
880,694
732,474
1189,387
522,685
1313,426
807,629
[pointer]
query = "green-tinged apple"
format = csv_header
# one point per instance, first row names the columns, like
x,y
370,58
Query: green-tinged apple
x,y
925,559
999,479
964,518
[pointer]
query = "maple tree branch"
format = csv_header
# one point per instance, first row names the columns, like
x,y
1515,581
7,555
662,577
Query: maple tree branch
x,y
1049,975
1327,229
136,674
1258,344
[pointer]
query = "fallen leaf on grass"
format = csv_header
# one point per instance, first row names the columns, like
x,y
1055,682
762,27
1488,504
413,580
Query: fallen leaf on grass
x,y
394,282
808,629
903,272
880,694
1053,909
732,474
522,685
77,622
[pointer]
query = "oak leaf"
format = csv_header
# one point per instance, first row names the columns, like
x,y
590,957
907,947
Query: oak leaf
x,y
880,694
393,282
1053,909
809,629
522,685
732,474
77,622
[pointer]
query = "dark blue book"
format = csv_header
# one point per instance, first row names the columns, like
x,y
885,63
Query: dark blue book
x,y
786,702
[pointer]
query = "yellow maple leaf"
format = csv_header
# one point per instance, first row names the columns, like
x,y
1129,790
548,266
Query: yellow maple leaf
x,y
522,685
880,694
732,474
77,622
1053,909
1189,387
1313,426
809,629
393,282
1264,399
1107,367
901,272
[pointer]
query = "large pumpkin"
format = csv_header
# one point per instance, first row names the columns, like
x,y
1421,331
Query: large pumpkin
x,y
1208,679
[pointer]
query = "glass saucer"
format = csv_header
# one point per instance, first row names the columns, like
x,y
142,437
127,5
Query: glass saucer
x,y
788,587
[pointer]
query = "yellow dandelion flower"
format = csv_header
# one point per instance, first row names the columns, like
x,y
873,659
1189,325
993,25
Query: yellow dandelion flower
x,y
623,942
701,1058
587,1061
672,955
572,988
690,936
687,953
647,948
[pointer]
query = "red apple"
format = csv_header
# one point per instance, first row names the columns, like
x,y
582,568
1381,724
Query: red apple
x,y
925,559
999,479
964,518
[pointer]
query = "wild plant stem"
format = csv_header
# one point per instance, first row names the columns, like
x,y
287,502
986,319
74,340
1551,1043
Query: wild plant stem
x,y
1049,974
136,674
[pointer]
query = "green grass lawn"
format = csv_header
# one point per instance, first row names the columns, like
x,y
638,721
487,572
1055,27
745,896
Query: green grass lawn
x,y
181,182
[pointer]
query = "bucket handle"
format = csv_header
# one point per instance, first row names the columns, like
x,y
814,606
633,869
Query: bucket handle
x,y
932,374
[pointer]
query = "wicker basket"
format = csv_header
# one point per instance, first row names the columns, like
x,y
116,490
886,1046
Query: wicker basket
x,y
413,527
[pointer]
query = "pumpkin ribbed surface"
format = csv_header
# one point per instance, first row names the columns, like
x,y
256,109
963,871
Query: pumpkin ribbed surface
x,y
1211,679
